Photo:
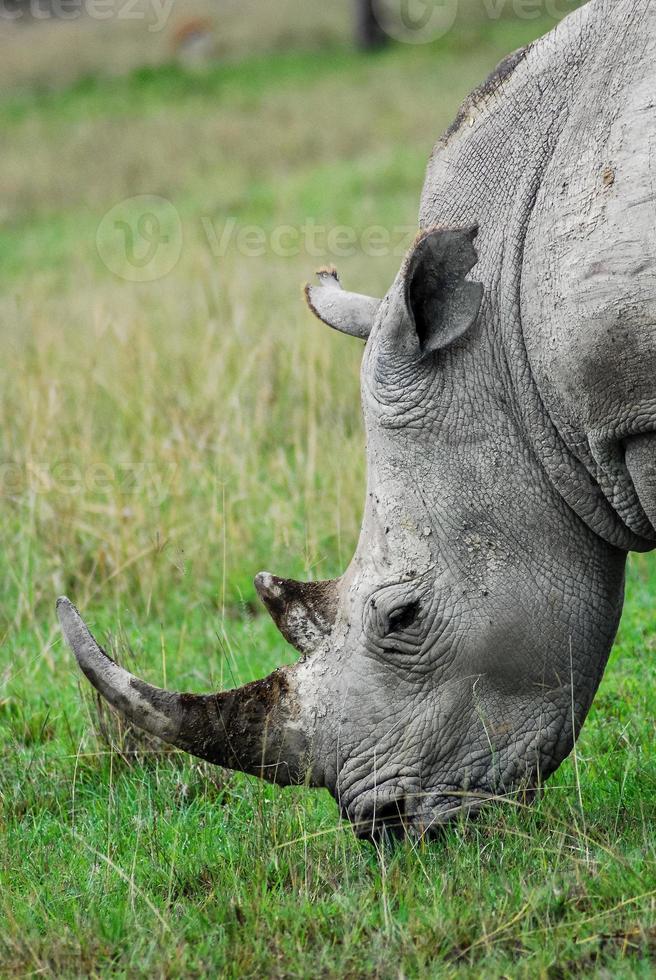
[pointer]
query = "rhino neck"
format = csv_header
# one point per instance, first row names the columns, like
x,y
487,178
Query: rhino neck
x,y
588,283
489,168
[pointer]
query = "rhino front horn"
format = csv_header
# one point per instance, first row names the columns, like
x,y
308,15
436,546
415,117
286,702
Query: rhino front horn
x,y
252,729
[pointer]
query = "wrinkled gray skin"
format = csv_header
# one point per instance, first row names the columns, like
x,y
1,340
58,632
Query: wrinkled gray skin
x,y
510,451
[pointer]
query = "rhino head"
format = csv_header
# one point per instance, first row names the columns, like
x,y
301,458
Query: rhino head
x,y
509,449
456,657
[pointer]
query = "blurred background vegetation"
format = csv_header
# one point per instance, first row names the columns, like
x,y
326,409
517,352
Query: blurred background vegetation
x,y
49,43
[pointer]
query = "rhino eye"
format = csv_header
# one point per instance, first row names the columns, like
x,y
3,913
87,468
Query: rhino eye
x,y
403,617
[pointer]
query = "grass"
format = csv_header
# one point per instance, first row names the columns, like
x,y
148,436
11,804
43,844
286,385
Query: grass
x,y
164,441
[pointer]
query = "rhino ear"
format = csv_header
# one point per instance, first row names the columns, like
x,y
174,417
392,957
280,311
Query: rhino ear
x,y
349,313
304,612
442,304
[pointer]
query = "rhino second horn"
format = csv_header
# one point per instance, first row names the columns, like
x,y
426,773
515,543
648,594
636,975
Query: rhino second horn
x,y
251,729
304,612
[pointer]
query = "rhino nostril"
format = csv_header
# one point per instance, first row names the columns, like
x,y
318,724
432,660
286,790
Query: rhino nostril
x,y
380,818
391,812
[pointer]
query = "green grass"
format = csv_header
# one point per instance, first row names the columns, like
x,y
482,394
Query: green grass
x,y
164,441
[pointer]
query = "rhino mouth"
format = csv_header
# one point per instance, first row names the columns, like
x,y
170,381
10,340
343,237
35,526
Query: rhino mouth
x,y
395,813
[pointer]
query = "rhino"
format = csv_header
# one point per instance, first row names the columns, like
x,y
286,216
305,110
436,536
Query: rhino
x,y
509,398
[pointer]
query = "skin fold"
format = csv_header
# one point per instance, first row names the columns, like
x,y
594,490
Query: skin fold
x,y
510,406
